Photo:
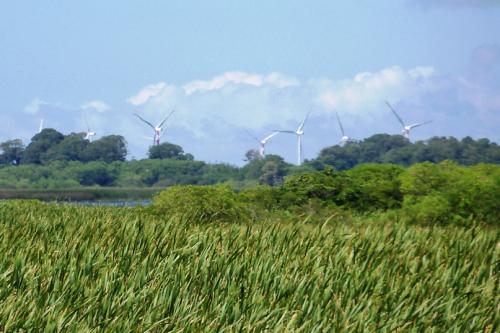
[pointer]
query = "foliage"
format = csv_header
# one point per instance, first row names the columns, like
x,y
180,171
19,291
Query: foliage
x,y
468,192
12,150
200,204
395,149
40,144
168,151
378,184
107,149
50,145
96,173
263,196
78,269
328,186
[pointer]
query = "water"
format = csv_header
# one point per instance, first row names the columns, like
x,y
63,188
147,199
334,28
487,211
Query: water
x,y
114,203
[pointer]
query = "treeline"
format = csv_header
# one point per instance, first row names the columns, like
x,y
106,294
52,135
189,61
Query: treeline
x,y
425,193
53,160
384,148
49,145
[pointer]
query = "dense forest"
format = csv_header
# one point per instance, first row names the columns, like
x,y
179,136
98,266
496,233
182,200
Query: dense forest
x,y
53,160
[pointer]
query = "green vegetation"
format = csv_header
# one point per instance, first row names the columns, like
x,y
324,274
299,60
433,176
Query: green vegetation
x,y
200,204
395,149
68,268
55,161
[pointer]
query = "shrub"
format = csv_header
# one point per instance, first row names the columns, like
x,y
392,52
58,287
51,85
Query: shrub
x,y
429,209
200,204
329,186
469,192
261,197
379,186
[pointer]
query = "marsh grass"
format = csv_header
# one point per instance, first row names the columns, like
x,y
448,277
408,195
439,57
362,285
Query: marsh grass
x,y
67,268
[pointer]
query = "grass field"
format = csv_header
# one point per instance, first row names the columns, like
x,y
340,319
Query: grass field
x,y
65,268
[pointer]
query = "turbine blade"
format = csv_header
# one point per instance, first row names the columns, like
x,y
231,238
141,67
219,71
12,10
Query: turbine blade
x,y
164,120
251,135
269,137
87,124
301,127
420,124
396,114
279,131
144,120
340,124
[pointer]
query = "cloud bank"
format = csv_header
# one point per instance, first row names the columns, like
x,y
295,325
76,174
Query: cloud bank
x,y
212,114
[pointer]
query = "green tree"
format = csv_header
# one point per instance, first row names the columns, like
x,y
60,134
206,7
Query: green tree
x,y
168,151
107,149
72,148
96,173
40,144
12,151
273,170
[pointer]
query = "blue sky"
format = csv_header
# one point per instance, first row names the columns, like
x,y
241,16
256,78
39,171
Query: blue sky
x,y
227,66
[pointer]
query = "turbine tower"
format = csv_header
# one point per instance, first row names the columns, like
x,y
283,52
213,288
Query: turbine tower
x,y
40,129
406,128
299,132
262,143
89,134
158,129
345,139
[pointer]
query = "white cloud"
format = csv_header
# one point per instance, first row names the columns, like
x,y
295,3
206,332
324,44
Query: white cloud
x,y
366,89
96,105
239,78
34,106
146,93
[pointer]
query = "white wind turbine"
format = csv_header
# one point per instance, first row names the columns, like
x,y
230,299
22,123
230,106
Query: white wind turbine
x,y
299,132
345,139
406,128
158,129
262,143
89,134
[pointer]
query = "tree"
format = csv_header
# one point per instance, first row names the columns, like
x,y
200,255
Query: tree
x,y
168,151
40,144
70,149
12,151
96,173
273,170
251,155
107,149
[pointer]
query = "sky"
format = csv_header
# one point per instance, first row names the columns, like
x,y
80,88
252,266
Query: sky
x,y
228,67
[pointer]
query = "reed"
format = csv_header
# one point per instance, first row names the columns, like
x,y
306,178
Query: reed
x,y
68,268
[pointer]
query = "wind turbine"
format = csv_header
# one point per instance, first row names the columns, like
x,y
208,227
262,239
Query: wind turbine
x,y
406,128
40,129
89,134
345,139
157,129
262,143
299,132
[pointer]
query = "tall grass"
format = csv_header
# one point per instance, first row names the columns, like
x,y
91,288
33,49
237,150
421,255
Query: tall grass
x,y
65,268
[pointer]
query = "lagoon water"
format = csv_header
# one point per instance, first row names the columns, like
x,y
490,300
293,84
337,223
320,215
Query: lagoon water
x,y
115,203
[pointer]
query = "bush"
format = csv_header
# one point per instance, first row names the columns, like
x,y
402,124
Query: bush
x,y
379,186
261,197
471,192
329,186
200,204
429,209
